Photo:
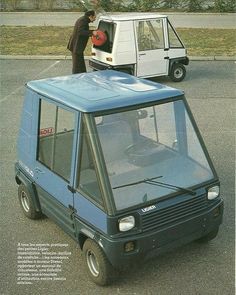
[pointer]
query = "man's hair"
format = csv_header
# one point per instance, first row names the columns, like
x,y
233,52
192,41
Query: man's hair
x,y
90,13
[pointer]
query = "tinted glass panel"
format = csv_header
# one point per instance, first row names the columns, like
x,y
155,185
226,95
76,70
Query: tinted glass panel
x,y
109,29
150,35
55,140
88,181
173,38
157,142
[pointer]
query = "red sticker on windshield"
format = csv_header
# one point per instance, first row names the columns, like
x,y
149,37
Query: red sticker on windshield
x,y
46,131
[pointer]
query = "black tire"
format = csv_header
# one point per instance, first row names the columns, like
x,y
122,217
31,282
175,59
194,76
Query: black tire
x,y
27,204
98,267
210,236
177,72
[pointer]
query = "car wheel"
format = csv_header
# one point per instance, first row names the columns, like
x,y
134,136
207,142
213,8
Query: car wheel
x,y
98,266
27,204
177,72
210,236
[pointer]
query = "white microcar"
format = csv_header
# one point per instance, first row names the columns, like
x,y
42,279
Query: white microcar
x,y
142,44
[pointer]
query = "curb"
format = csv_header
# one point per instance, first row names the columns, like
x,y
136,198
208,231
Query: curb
x,y
29,57
213,58
65,57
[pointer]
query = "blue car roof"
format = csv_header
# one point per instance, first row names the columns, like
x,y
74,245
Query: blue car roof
x,y
101,90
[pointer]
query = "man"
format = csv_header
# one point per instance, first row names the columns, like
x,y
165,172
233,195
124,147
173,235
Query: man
x,y
79,40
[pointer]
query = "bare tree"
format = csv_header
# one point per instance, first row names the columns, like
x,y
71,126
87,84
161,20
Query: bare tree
x,y
38,4
50,4
13,4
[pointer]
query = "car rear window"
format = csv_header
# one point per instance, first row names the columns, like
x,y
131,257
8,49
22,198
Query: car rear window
x,y
109,29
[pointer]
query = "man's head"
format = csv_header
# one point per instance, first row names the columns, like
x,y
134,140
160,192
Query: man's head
x,y
91,15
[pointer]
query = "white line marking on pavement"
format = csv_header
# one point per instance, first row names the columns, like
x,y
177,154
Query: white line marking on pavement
x,y
18,88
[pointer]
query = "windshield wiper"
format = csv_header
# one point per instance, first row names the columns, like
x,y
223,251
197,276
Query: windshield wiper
x,y
171,186
152,181
137,182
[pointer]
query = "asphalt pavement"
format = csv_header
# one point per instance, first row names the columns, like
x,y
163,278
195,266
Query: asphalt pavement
x,y
195,269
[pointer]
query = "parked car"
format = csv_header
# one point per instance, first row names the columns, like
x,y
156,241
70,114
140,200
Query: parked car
x,y
143,44
119,164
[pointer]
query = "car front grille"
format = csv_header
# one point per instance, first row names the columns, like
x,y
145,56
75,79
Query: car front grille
x,y
175,213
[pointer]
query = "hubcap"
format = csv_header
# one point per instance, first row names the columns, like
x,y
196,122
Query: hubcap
x,y
92,263
25,201
178,73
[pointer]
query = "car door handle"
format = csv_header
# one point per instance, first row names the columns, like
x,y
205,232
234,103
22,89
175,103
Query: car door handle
x,y
142,54
71,189
38,170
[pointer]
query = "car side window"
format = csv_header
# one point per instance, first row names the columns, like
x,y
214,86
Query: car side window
x,y
173,38
55,138
150,35
109,29
88,178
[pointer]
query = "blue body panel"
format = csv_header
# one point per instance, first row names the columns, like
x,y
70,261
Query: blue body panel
x,y
169,223
102,90
90,213
27,139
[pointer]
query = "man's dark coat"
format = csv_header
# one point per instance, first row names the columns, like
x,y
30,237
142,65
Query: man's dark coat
x,y
79,38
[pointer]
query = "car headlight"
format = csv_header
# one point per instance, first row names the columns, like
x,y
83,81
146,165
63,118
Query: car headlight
x,y
213,192
126,223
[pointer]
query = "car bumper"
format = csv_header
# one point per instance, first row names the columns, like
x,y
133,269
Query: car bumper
x,y
154,243
97,65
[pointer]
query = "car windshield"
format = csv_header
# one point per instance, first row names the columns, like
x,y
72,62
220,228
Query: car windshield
x,y
150,152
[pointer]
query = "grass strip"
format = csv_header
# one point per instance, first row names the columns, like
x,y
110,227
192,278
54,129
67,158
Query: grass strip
x,y
51,40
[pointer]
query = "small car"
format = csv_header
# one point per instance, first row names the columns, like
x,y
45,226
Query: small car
x,y
119,164
142,44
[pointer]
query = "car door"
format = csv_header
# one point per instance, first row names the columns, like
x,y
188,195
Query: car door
x,y
89,201
152,57
56,143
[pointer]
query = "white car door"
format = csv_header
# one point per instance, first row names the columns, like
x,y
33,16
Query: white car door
x,y
152,58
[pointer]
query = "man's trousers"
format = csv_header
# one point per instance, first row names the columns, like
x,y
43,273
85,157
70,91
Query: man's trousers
x,y
78,63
